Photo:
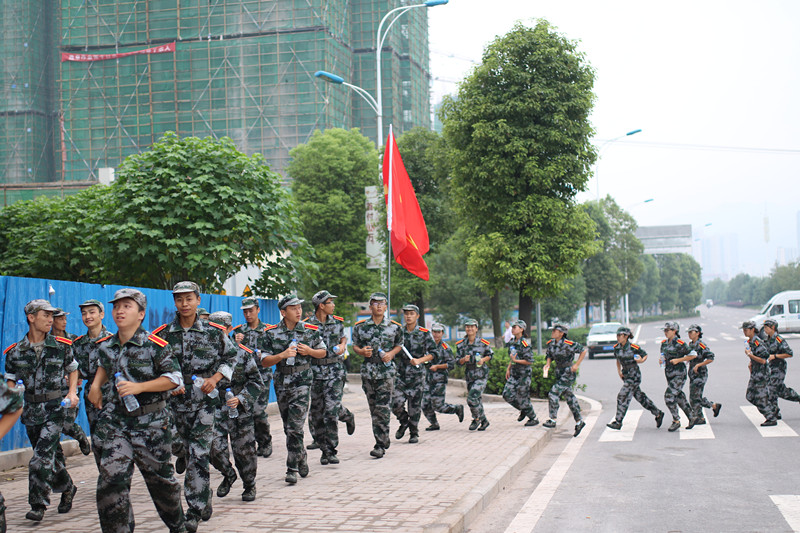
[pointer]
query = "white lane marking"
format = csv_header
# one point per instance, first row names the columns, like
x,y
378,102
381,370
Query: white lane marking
x,y
697,432
789,506
636,335
729,337
628,428
781,430
532,510
712,339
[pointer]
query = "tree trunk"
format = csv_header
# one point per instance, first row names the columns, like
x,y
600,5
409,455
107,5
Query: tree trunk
x,y
526,311
496,324
419,301
588,321
608,309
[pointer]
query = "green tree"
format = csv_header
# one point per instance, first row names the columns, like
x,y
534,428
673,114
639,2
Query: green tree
x,y
716,290
330,172
519,133
644,295
782,278
564,306
690,289
670,273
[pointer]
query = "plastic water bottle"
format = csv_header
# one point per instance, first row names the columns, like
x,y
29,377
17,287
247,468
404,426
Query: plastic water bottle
x,y
381,353
233,412
130,401
478,359
746,345
662,361
513,351
198,383
290,360
21,389
65,403
336,349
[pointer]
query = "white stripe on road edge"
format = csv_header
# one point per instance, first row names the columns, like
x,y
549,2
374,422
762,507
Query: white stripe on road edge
x,y
628,428
781,430
697,432
636,335
532,510
789,506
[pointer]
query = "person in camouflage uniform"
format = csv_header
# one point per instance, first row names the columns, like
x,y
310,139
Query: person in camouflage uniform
x,y
329,376
71,428
378,340
410,377
250,334
629,356
202,349
10,409
779,351
433,401
41,361
84,349
246,386
562,351
517,390
758,389
148,369
674,353
475,352
698,376
290,345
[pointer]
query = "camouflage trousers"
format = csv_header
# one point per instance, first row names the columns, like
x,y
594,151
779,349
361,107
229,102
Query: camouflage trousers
x,y
47,471
517,392
565,381
475,388
196,431
433,400
778,388
630,389
243,443
697,385
674,396
326,412
293,400
379,398
92,415
71,428
408,391
145,442
260,417
759,394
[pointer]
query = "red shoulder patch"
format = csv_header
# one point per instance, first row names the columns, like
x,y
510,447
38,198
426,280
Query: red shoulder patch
x,y
311,326
270,326
703,346
78,337
616,345
664,341
9,348
484,341
158,340
267,326
360,321
681,342
398,323
569,342
245,348
218,326
634,346
237,327
64,340
98,341
423,330
340,319
778,338
459,342
525,343
756,341
159,328
446,347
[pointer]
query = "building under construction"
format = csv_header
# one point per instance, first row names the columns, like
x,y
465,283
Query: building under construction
x,y
87,83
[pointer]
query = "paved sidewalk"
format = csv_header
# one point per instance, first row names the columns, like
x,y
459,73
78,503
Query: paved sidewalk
x,y
438,485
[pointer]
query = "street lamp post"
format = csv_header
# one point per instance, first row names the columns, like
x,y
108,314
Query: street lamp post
x,y
597,164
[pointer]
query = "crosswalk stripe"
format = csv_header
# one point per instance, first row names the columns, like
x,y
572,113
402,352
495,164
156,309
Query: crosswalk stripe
x,y
628,428
712,339
697,432
789,506
781,430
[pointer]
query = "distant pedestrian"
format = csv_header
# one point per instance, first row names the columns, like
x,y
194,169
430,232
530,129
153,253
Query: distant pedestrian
x,y
562,351
475,353
517,390
758,389
629,356
674,353
433,401
698,376
779,352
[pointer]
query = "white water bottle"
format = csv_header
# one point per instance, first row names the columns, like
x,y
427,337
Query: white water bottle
x,y
66,403
130,401
293,344
662,361
198,384
336,349
381,353
21,389
233,412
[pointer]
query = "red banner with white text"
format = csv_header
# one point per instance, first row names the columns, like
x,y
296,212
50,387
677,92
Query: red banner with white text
x,y
161,49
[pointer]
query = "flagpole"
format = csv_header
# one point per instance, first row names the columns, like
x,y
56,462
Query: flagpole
x,y
389,144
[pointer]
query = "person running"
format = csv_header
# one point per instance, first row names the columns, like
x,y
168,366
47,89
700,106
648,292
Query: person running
x,y
758,390
517,390
562,350
474,352
698,376
674,353
433,401
779,352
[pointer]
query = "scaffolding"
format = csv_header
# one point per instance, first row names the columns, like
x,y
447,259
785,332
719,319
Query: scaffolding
x,y
241,69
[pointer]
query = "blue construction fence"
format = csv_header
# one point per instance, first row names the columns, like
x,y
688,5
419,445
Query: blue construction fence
x,y
16,292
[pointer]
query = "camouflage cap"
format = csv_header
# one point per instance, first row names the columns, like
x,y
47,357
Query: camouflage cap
x,y
89,303
624,330
437,327
519,323
249,302
561,327
186,286
695,327
377,297
673,326
471,322
202,311
34,306
411,307
59,312
221,317
770,322
133,294
748,324
321,297
286,301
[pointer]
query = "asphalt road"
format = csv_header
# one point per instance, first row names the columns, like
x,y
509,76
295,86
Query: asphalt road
x,y
725,476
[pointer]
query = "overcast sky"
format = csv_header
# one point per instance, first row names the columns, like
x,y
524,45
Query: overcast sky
x,y
714,86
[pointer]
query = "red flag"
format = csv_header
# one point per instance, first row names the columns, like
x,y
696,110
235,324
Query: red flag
x,y
407,231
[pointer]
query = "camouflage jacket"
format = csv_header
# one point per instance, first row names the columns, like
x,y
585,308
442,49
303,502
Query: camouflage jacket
x,y
10,399
524,352
703,354
144,357
385,335
84,349
41,375
626,355
332,332
674,349
246,383
778,344
563,351
203,350
252,339
442,355
277,340
419,343
759,349
479,348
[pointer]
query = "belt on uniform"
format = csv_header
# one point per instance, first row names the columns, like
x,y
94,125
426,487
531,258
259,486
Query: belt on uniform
x,y
145,409
39,398
293,369
325,360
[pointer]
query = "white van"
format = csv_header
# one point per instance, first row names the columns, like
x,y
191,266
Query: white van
x,y
784,308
